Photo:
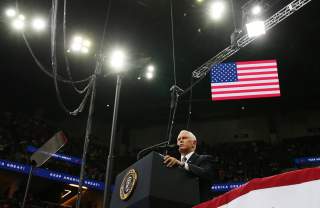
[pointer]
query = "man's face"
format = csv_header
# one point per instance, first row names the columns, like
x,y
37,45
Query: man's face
x,y
186,143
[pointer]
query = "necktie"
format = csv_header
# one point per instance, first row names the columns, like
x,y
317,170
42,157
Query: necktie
x,y
184,159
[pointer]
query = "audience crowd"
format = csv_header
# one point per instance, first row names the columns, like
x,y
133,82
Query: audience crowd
x,y
235,162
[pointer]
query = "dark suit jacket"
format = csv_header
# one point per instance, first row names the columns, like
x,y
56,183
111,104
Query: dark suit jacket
x,y
202,167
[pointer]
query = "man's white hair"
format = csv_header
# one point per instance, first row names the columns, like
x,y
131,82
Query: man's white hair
x,y
192,136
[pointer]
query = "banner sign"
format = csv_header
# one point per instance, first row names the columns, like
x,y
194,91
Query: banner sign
x,y
224,187
306,160
52,175
62,157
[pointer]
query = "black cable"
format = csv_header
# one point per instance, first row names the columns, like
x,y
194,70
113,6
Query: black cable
x,y
55,67
170,116
233,15
172,102
91,108
105,27
42,68
193,84
190,106
65,51
173,119
86,141
100,58
54,12
174,93
173,43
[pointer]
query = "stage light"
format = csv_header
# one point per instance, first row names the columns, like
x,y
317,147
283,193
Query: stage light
x,y
256,10
10,12
199,1
84,50
150,68
77,39
117,60
21,17
38,24
149,75
255,28
217,9
18,24
76,47
86,43
80,45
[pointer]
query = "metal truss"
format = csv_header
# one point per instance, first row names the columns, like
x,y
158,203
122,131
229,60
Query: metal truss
x,y
243,41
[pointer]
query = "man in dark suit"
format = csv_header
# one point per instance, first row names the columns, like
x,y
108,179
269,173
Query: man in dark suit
x,y
200,166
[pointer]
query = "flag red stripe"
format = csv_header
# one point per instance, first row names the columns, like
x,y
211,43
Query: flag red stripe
x,y
245,97
257,67
259,78
244,85
253,90
257,62
257,73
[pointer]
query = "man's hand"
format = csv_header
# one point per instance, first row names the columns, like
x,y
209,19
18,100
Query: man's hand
x,y
171,161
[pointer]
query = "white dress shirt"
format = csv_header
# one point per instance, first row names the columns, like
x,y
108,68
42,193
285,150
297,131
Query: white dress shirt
x,y
186,166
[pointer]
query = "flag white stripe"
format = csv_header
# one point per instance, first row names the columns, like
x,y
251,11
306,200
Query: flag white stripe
x,y
257,70
257,76
293,196
246,93
244,82
244,88
256,65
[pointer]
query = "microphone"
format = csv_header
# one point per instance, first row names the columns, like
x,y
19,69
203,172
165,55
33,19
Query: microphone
x,y
167,146
161,146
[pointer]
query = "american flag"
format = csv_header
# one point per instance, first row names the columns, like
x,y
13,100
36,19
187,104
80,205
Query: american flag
x,y
243,80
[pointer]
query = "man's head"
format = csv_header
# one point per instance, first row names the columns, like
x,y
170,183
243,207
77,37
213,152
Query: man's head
x,y
187,142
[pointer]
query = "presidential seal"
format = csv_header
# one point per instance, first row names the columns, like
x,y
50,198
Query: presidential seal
x,y
128,184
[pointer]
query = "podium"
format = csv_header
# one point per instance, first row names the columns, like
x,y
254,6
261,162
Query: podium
x,y
148,183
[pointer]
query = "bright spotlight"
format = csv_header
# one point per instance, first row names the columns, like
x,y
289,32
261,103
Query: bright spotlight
x,y
150,68
149,75
11,12
38,24
216,10
256,10
77,39
80,45
76,47
21,17
18,24
255,28
86,43
117,60
84,50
